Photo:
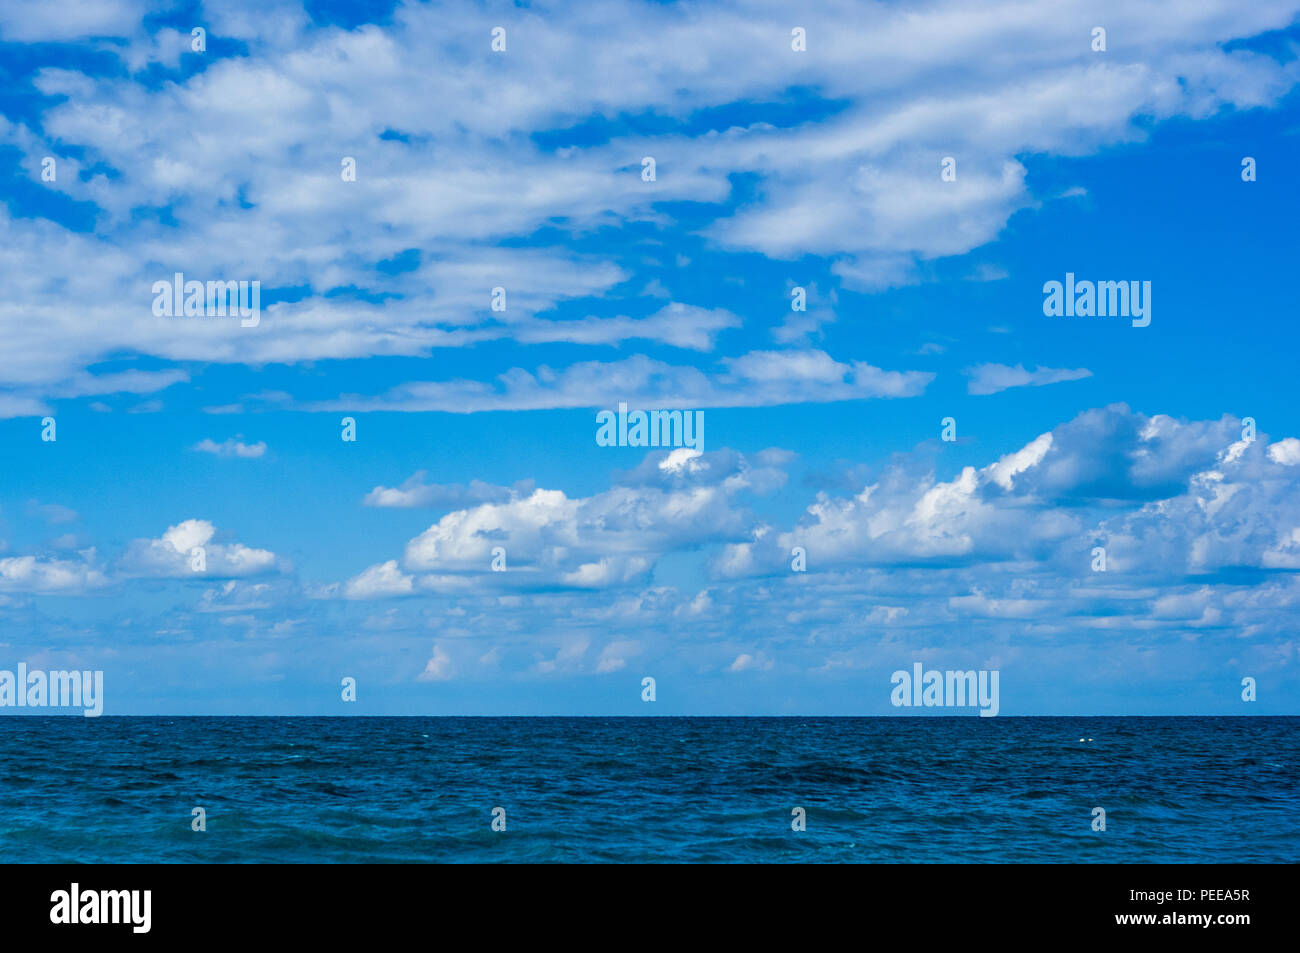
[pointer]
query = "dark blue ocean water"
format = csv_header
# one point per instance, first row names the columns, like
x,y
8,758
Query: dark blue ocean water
x,y
649,789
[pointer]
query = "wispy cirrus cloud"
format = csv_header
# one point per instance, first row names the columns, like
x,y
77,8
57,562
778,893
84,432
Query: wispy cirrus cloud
x,y
993,378
755,379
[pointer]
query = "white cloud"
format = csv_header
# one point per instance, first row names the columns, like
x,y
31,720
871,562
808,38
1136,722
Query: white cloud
x,y
42,23
669,502
609,570
755,379
746,663
980,605
680,325
1285,452
1184,500
683,458
614,656
232,447
414,492
992,378
50,576
172,555
858,187
384,579
439,668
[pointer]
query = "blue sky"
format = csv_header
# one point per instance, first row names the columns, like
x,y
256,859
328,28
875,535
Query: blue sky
x,y
775,169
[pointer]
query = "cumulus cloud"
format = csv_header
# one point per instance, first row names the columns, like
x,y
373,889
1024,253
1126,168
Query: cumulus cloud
x,y
614,656
439,667
233,447
745,662
760,473
173,554
1200,527
32,574
384,579
238,595
1161,494
1241,514
671,501
1189,494
1285,452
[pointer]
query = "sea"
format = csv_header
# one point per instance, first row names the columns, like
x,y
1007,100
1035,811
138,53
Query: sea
x,y
649,790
